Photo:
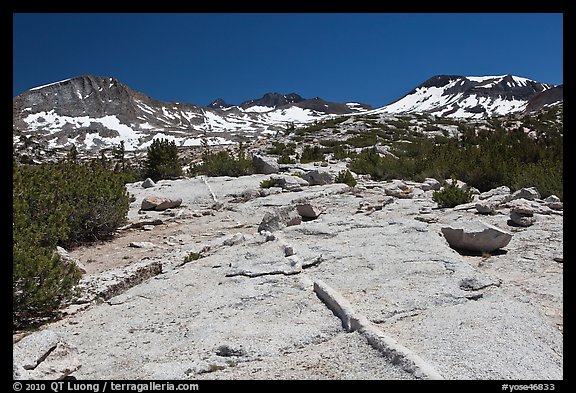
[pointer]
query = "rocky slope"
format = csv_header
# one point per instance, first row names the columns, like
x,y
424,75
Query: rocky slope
x,y
469,97
363,286
94,112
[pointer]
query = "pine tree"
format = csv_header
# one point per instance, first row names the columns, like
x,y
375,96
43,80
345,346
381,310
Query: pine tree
x,y
162,160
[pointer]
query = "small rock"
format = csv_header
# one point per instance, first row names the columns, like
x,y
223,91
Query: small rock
x,y
553,202
318,177
288,250
289,183
67,259
522,207
498,191
158,203
268,236
281,218
234,240
430,184
227,351
148,183
399,190
522,220
309,210
141,245
530,193
486,206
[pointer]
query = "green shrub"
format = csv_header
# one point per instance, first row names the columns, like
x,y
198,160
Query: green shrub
x,y
57,204
223,163
192,256
345,176
162,160
311,154
267,183
452,196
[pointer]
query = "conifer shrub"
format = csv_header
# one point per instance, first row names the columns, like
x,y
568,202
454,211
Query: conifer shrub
x,y
345,176
311,154
57,204
223,163
451,195
267,183
162,160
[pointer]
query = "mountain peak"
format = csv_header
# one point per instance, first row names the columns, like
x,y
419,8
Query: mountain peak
x,y
273,100
219,103
468,96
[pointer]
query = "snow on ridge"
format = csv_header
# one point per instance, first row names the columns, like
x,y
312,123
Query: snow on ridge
x,y
483,78
49,84
259,109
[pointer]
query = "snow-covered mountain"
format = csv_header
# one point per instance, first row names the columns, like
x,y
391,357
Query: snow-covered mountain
x,y
468,96
94,112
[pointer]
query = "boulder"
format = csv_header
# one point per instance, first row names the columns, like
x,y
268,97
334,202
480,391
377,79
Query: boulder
x,y
399,190
476,236
498,191
530,193
264,165
522,220
486,206
522,213
279,219
309,210
318,177
522,207
289,183
67,259
430,184
154,202
553,202
148,183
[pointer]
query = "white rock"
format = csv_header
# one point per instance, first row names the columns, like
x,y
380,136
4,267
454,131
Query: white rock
x,y
318,177
148,183
530,193
476,236
265,165
66,259
142,245
486,206
521,219
290,183
553,202
502,190
281,218
430,184
521,207
154,202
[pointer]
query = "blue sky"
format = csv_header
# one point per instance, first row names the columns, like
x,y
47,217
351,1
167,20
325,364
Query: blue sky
x,y
369,58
